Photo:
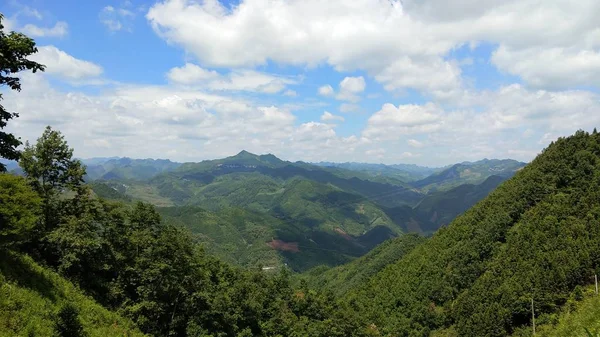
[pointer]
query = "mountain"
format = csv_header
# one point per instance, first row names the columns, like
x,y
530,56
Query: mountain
x,y
339,280
126,168
399,173
33,297
254,239
329,215
468,173
441,207
10,165
535,237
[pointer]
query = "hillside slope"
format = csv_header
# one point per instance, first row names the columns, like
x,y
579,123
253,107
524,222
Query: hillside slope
x,y
31,297
440,208
341,279
536,236
468,173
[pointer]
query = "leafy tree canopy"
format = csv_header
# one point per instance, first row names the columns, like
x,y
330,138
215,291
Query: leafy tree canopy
x,y
14,50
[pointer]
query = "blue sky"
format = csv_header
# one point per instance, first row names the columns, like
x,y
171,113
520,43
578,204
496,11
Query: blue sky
x,y
426,82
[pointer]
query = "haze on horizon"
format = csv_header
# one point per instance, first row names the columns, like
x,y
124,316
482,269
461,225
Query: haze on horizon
x,y
388,81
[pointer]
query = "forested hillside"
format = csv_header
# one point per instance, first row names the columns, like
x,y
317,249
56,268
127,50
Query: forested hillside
x,y
468,173
535,237
308,215
150,273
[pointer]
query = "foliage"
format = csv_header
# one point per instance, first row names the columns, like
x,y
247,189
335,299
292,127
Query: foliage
x,y
468,173
68,324
331,215
51,170
14,50
31,296
19,209
352,275
441,207
536,236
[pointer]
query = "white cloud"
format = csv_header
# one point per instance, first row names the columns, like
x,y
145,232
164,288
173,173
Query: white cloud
x,y
313,132
431,75
63,65
191,74
402,44
551,67
290,93
116,19
185,123
60,29
329,117
375,153
31,12
407,154
9,24
350,88
236,80
326,90
392,122
415,143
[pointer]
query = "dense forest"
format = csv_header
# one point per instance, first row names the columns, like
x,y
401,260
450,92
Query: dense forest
x,y
81,259
310,215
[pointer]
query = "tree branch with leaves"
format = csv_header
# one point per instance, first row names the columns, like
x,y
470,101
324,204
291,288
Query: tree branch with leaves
x,y
14,50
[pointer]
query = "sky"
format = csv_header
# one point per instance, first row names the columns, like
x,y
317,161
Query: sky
x,y
429,82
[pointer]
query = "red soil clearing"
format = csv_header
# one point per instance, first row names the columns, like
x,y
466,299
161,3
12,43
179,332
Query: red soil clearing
x,y
343,233
284,246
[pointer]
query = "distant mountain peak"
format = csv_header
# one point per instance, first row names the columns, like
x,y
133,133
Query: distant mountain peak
x,y
245,153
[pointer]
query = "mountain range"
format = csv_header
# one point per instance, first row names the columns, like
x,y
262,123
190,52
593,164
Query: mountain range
x,y
259,210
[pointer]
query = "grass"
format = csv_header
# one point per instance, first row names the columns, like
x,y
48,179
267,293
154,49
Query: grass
x,y
580,319
31,296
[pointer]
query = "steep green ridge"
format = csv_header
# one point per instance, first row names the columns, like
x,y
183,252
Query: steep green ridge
x,y
341,279
31,297
254,239
468,173
440,208
536,236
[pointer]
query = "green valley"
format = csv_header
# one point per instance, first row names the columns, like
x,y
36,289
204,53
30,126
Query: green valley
x,y
219,245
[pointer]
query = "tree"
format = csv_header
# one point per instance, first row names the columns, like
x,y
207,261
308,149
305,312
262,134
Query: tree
x,y
52,171
68,324
14,50
19,208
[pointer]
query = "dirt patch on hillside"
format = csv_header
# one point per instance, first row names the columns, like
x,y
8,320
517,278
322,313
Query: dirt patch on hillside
x,y
284,246
343,233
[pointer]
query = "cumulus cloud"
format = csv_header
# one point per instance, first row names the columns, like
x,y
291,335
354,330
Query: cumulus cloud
x,y
415,143
375,153
392,122
329,117
326,91
190,124
402,44
236,80
551,67
60,29
150,121
350,88
63,65
191,74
